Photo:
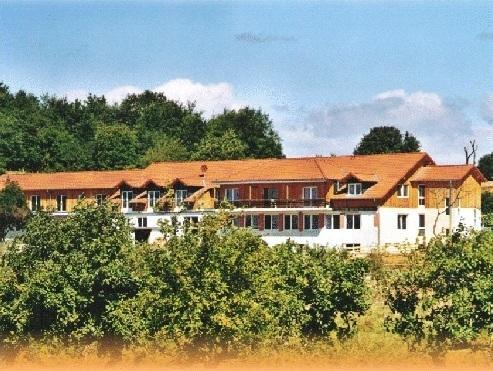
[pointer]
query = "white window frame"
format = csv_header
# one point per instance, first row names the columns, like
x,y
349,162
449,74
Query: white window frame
x,y
273,226
329,221
152,198
142,222
402,221
100,199
289,226
312,222
312,193
251,221
421,197
353,217
126,198
354,189
180,195
403,191
36,206
421,228
61,203
232,194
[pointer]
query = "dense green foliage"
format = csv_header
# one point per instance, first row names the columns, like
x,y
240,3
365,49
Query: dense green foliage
x,y
444,298
485,164
386,139
487,202
216,287
52,134
13,209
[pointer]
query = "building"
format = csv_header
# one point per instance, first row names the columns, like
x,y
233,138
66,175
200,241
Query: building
x,y
339,201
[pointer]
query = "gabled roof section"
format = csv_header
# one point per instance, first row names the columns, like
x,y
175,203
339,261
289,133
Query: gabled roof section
x,y
388,170
445,173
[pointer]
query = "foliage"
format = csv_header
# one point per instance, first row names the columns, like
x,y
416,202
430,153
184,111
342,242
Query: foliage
x,y
444,297
386,139
485,164
60,281
252,127
165,149
13,209
49,133
225,147
487,202
220,288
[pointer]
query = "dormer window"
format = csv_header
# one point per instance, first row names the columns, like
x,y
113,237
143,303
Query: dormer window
x,y
354,189
403,191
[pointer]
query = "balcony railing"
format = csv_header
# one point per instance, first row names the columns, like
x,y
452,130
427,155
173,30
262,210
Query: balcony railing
x,y
279,203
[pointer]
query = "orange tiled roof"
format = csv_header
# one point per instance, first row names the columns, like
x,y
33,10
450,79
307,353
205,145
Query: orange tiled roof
x,y
386,169
441,173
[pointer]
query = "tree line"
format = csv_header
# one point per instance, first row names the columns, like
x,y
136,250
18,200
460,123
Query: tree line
x,y
50,133
218,289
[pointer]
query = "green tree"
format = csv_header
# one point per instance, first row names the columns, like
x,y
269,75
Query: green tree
x,y
443,298
165,149
485,164
487,203
386,139
253,127
225,147
62,283
115,147
13,209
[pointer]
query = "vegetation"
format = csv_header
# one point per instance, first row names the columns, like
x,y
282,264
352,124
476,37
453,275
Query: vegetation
x,y
52,134
13,209
485,164
217,288
444,298
386,139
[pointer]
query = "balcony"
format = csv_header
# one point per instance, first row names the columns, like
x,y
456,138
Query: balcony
x,y
279,203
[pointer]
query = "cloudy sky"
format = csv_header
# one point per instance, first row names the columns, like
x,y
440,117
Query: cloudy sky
x,y
324,71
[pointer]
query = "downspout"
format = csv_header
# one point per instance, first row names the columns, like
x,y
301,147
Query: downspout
x,y
378,224
450,206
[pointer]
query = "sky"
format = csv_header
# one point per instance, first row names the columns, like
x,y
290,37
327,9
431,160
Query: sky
x,y
325,72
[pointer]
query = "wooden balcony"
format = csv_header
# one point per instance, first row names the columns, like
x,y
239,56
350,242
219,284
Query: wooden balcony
x,y
279,203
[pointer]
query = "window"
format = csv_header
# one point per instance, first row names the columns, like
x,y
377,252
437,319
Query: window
x,y
447,205
401,221
333,222
338,186
153,197
353,221
180,195
311,222
421,195
237,222
310,193
354,189
100,199
142,222
126,197
251,221
271,222
35,203
232,194
61,203
290,221
403,191
353,247
271,194
421,225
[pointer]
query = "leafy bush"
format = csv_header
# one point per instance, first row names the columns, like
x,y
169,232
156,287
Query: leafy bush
x,y
216,288
444,298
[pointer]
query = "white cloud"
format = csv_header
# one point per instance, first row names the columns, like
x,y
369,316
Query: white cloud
x,y
212,99
487,108
442,127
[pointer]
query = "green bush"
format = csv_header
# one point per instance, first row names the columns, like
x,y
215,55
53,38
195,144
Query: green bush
x,y
444,298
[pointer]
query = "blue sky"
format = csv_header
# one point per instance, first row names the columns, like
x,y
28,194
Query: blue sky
x,y
324,71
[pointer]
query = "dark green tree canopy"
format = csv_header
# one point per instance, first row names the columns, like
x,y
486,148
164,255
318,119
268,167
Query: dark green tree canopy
x,y
50,133
485,164
386,139
13,209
